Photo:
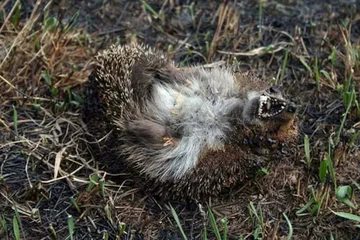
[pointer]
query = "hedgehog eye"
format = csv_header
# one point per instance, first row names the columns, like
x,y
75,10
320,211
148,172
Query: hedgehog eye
x,y
273,90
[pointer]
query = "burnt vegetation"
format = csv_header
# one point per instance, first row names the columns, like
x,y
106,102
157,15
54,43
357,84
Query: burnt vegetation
x,y
50,185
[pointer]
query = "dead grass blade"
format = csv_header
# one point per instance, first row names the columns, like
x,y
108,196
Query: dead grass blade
x,y
274,48
58,158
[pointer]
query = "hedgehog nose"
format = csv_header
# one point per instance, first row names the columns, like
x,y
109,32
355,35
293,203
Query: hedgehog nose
x,y
291,107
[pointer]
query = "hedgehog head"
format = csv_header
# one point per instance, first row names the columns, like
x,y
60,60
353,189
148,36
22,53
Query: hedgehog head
x,y
268,107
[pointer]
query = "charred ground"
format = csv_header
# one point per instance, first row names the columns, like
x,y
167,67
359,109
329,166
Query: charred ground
x,y
47,172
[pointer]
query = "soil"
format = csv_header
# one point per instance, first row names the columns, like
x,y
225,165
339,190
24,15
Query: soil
x,y
45,165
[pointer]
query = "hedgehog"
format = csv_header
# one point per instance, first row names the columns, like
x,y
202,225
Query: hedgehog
x,y
189,132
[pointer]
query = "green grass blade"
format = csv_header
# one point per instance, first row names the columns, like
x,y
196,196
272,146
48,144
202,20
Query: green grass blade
x,y
72,22
332,236
52,231
3,224
283,67
333,56
348,216
213,224
75,204
303,61
326,75
71,226
330,164
290,226
317,73
357,185
352,96
16,228
17,215
323,169
108,212
47,78
205,232
105,235
102,187
15,119
307,150
149,8
304,208
121,229
344,194
51,24
177,220
224,224
94,179
15,19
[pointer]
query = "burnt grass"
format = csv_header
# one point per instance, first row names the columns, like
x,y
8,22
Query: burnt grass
x,y
47,172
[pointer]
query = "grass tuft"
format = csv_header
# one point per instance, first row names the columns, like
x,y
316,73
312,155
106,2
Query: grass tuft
x,y
344,194
46,56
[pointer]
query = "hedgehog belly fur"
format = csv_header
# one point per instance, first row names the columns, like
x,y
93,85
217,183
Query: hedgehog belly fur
x,y
199,111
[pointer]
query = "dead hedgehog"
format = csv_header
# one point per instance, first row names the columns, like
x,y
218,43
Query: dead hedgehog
x,y
189,132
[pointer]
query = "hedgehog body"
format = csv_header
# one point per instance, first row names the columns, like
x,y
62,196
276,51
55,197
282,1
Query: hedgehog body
x,y
189,132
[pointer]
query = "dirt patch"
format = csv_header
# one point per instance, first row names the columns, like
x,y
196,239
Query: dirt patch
x,y
47,173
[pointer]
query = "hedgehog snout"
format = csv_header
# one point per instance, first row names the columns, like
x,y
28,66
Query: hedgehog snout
x,y
269,106
291,108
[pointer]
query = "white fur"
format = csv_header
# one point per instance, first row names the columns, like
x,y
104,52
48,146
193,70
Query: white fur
x,y
200,109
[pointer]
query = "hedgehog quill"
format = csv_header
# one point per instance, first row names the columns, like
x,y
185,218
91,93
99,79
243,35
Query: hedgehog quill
x,y
190,132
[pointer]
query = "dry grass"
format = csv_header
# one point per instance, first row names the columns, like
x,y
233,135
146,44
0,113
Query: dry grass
x,y
47,173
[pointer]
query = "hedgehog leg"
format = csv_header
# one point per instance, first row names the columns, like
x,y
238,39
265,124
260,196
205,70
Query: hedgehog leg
x,y
147,130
